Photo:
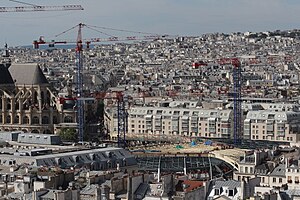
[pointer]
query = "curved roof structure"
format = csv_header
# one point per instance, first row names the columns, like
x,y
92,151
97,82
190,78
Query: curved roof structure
x,y
176,164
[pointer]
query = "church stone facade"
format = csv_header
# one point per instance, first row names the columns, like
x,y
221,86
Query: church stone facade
x,y
27,102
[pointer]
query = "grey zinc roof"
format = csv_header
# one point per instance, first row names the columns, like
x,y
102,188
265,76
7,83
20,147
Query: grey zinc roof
x,y
293,192
15,195
101,155
275,115
223,114
141,190
49,195
5,76
89,190
279,171
27,74
231,184
223,197
263,167
95,157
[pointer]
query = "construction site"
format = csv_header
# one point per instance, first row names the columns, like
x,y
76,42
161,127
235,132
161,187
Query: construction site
x,y
90,111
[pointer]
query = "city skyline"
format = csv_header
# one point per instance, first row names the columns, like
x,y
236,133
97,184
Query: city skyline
x,y
172,17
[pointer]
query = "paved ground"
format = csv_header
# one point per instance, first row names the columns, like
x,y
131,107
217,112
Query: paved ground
x,y
187,148
220,151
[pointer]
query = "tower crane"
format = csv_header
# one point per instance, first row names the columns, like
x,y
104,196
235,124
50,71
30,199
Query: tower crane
x,y
122,114
79,82
40,8
237,101
33,7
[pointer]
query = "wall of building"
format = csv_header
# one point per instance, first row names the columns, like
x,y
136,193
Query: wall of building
x,y
196,194
146,122
118,184
135,183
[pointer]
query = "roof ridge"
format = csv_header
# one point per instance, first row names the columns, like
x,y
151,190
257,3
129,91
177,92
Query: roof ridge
x,y
28,74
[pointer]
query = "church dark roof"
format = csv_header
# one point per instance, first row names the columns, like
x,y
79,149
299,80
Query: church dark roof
x,y
27,74
5,76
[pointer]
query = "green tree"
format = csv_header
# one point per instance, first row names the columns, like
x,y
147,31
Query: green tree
x,y
68,134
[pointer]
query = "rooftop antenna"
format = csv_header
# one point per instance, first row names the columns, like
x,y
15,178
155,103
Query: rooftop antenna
x,y
184,165
158,169
210,169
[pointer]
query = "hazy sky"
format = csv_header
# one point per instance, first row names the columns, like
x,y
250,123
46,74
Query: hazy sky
x,y
176,17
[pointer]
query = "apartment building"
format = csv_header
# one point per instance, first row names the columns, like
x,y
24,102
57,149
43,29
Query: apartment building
x,y
271,125
251,164
272,174
292,169
165,121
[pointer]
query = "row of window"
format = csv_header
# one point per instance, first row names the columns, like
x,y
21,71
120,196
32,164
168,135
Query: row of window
x,y
272,138
35,120
186,113
296,179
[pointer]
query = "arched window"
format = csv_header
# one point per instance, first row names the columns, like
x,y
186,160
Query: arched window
x,y
68,119
8,105
35,120
48,97
55,121
35,97
45,120
25,120
17,119
24,130
42,97
17,106
35,131
1,119
8,119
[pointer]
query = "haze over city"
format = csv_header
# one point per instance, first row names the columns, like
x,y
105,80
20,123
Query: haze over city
x,y
189,17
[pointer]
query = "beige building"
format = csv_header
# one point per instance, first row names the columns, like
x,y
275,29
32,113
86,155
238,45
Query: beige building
x,y
164,121
28,103
292,172
271,125
251,165
272,174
